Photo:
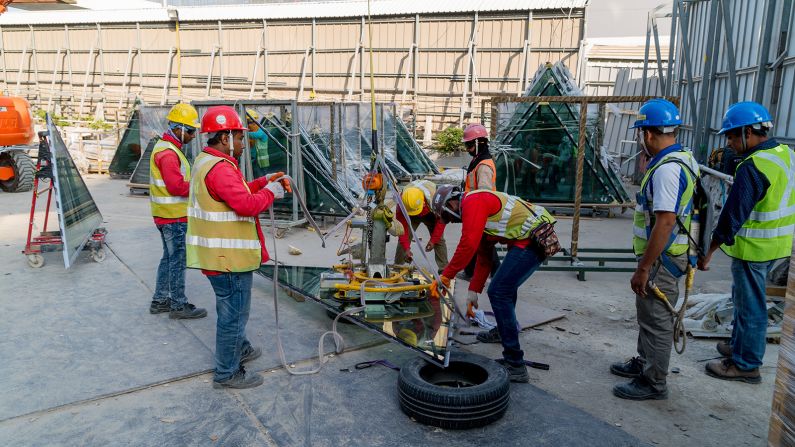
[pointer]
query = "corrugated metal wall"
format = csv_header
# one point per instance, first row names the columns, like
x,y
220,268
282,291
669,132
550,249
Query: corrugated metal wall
x,y
757,36
433,74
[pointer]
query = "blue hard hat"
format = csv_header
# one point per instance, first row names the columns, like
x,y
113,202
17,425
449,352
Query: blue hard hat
x,y
657,113
746,113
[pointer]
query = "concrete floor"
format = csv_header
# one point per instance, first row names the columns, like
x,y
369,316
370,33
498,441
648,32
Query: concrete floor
x,y
85,364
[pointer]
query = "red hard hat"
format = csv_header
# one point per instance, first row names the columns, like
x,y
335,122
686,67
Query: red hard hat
x,y
475,131
218,118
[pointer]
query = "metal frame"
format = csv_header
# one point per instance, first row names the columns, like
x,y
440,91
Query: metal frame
x,y
583,102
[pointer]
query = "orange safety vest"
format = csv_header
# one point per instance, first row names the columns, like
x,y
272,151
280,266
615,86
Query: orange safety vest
x,y
472,177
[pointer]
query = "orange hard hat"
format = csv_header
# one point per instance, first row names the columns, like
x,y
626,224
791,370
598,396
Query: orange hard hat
x,y
220,118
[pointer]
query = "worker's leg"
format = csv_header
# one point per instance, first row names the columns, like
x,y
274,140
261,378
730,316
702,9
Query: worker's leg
x,y
232,304
439,248
162,284
176,264
656,325
400,253
517,266
750,313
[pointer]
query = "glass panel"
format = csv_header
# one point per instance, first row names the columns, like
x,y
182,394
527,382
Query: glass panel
x,y
536,150
422,325
77,211
129,150
153,123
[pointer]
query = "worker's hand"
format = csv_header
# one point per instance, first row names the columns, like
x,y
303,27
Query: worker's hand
x,y
409,256
436,290
472,302
429,246
279,177
639,281
276,188
703,262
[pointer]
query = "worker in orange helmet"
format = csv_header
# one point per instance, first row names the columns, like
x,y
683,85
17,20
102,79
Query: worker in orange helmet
x,y
225,239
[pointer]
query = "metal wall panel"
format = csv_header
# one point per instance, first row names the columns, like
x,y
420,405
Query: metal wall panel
x,y
751,28
434,77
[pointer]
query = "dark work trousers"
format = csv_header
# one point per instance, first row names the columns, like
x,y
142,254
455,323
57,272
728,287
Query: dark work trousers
x,y
469,270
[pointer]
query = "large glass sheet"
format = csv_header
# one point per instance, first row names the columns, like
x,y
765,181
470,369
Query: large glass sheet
x,y
128,151
153,123
78,214
423,325
536,150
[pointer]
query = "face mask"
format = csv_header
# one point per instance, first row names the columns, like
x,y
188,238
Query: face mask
x,y
642,143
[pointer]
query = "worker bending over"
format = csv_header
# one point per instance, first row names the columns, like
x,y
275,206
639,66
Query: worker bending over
x,y
169,183
755,228
661,227
416,198
225,239
488,218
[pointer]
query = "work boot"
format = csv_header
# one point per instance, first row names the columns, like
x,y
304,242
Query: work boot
x,y
250,354
724,348
639,389
187,312
158,307
631,368
726,369
516,373
490,336
240,380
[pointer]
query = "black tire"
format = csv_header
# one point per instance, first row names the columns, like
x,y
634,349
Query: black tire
x,y
23,171
471,392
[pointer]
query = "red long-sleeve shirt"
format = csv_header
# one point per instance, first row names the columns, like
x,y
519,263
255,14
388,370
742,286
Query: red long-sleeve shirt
x,y
405,239
225,183
168,163
475,211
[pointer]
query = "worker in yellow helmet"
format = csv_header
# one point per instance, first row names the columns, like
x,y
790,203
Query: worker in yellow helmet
x,y
416,197
169,185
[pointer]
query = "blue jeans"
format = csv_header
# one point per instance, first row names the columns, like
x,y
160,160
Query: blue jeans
x,y
232,304
171,271
750,313
516,267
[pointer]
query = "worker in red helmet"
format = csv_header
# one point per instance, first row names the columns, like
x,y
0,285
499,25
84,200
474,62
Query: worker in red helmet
x,y
481,174
225,239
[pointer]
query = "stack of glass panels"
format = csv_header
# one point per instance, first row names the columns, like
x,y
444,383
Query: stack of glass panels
x,y
152,124
536,147
129,150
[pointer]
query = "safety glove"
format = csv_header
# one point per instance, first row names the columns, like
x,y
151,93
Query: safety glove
x,y
436,288
472,302
279,177
276,188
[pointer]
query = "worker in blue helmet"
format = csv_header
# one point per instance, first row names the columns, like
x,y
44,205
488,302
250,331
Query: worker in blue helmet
x,y
660,240
755,228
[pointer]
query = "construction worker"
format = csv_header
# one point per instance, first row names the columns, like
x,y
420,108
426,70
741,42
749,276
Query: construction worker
x,y
481,174
755,228
169,183
661,244
258,142
225,240
488,218
416,197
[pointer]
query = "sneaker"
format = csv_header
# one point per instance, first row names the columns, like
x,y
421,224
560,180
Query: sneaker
x,y
724,348
187,312
726,369
639,389
631,368
250,354
490,336
158,307
516,373
240,380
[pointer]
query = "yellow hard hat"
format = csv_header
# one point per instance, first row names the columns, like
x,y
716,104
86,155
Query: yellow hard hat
x,y
183,113
252,114
413,200
408,336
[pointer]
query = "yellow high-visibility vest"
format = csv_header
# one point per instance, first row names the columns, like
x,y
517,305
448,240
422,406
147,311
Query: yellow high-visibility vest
x,y
161,202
